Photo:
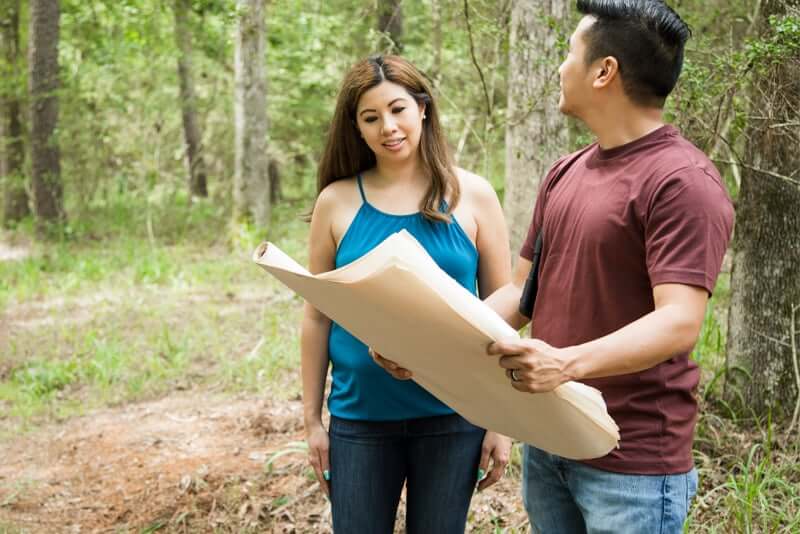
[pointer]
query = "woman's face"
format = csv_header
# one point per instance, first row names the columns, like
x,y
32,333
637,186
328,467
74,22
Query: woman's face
x,y
390,121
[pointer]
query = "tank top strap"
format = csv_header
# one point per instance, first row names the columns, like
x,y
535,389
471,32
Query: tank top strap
x,y
361,189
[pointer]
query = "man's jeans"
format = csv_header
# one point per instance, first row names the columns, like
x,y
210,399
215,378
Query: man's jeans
x,y
437,457
565,496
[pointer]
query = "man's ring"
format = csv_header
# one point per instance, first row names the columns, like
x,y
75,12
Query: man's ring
x,y
514,375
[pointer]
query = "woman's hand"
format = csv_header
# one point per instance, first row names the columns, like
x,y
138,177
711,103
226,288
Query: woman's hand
x,y
497,448
318,454
400,373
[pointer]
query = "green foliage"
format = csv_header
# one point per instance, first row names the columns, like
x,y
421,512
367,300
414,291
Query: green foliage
x,y
781,42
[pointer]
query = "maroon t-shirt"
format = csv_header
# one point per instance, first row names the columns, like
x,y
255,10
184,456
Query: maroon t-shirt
x,y
616,223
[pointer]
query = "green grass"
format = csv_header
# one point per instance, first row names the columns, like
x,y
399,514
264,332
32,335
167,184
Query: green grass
x,y
109,313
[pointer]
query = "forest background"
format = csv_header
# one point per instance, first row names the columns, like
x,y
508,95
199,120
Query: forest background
x,y
149,373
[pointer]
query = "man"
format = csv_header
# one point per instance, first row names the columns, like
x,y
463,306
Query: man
x,y
634,230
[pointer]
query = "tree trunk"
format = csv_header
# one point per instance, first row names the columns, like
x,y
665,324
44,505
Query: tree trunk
x,y
12,149
43,87
390,23
765,281
536,132
191,130
251,173
436,39
275,190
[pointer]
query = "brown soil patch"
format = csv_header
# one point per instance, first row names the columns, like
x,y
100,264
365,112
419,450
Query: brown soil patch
x,y
194,462
186,463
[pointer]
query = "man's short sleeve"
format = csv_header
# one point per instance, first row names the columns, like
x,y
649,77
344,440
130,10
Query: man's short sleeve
x,y
687,229
538,209
536,222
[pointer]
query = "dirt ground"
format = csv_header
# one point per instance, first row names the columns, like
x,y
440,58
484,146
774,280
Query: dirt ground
x,y
191,462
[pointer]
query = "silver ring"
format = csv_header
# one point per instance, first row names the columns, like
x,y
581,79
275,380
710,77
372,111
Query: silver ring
x,y
514,376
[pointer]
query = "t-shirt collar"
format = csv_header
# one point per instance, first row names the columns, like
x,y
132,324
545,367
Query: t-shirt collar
x,y
627,148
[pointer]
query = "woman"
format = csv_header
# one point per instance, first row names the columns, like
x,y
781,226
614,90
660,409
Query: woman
x,y
386,167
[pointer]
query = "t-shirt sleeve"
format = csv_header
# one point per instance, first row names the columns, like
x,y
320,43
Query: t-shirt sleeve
x,y
538,209
687,229
536,222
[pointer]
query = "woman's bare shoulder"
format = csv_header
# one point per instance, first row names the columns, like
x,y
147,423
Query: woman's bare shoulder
x,y
341,193
474,187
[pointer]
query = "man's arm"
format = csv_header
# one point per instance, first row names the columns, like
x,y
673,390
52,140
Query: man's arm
x,y
671,329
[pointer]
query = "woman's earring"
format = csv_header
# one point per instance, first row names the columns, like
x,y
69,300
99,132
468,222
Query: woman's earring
x,y
424,116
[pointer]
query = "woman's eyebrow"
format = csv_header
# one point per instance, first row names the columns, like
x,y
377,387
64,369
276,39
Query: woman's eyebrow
x,y
375,111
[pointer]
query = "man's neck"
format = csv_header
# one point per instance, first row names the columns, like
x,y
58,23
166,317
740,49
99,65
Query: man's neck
x,y
621,125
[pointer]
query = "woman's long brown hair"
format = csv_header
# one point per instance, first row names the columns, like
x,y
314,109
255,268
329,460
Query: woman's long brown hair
x,y
347,154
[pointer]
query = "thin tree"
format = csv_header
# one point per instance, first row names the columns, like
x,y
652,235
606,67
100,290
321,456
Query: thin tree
x,y
764,319
251,190
191,129
12,148
43,84
390,24
536,132
436,39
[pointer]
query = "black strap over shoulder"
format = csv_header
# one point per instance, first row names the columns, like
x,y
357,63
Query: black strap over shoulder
x,y
528,297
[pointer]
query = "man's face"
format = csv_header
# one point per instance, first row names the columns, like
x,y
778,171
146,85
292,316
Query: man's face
x,y
574,74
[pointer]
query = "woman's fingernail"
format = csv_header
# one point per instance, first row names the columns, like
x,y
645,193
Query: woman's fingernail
x,y
481,474
327,474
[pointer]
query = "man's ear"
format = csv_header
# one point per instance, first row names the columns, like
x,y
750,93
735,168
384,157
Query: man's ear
x,y
607,69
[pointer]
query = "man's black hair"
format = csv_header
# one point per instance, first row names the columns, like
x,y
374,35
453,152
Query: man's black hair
x,y
647,39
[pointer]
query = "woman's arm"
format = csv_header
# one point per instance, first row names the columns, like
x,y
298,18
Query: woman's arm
x,y
491,240
314,340
494,272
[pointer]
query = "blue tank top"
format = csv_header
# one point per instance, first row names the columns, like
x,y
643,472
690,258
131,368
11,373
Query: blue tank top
x,y
362,390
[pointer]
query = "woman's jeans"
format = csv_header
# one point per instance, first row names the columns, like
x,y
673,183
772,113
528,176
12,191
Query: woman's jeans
x,y
437,458
567,496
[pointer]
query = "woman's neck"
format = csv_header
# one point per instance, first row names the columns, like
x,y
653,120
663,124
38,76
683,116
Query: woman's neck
x,y
406,172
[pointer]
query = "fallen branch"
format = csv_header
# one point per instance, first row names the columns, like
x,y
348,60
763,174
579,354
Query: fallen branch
x,y
796,365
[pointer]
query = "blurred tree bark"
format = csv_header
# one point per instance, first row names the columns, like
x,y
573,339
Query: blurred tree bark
x,y
251,191
275,189
536,132
436,40
390,23
12,148
191,129
43,83
765,280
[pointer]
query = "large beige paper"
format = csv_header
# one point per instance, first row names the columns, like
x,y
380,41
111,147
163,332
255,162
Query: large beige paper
x,y
398,301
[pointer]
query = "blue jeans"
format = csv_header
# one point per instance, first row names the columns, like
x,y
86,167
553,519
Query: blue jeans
x,y
565,496
437,458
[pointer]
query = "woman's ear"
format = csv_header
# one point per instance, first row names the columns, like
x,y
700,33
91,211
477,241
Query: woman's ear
x,y
422,108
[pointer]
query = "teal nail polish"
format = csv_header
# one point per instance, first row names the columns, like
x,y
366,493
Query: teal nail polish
x,y
326,475
481,474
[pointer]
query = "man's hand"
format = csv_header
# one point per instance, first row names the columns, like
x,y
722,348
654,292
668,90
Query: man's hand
x,y
532,365
400,373
497,448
